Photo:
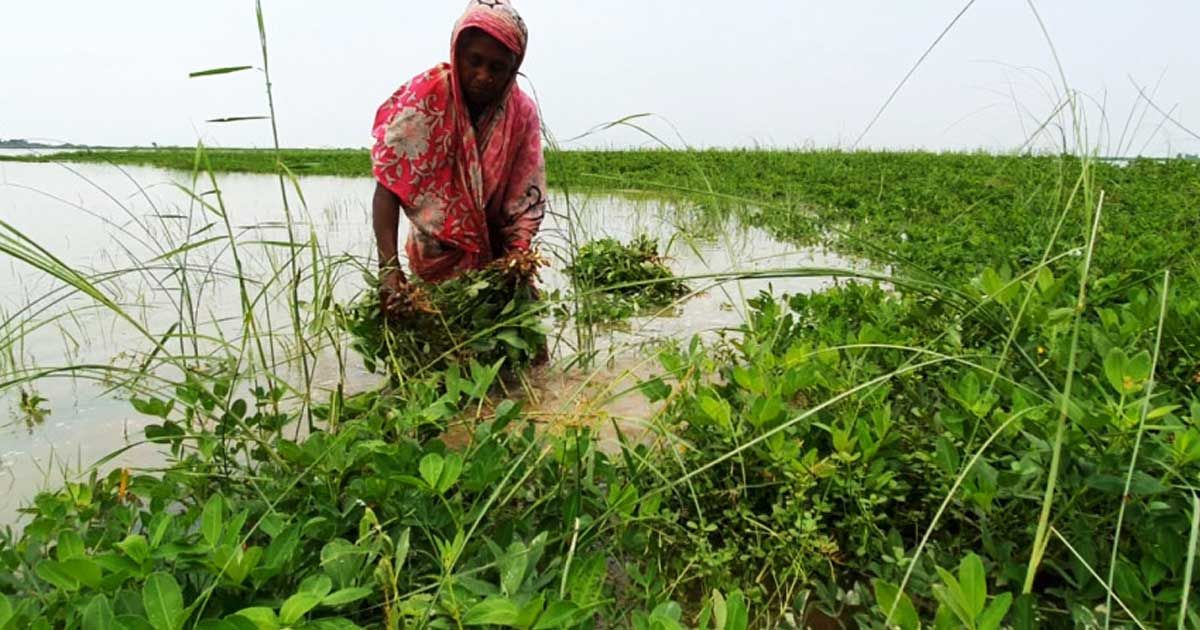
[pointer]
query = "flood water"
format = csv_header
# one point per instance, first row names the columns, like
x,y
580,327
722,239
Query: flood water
x,y
97,219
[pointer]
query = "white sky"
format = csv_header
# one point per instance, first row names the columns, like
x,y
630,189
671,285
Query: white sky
x,y
773,73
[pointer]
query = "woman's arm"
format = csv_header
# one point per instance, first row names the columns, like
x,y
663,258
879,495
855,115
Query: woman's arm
x,y
385,214
526,212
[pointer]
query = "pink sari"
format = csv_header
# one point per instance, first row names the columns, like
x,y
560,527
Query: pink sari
x,y
471,194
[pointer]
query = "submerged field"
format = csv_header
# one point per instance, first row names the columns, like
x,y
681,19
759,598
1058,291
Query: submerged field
x,y
951,214
1001,430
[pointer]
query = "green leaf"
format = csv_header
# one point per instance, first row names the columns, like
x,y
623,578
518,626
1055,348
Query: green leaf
x,y
55,573
164,602
318,585
70,546
969,389
530,611
235,563
507,411
737,617
513,339
452,467
229,623
905,615
1162,411
238,622
111,562
346,596
558,615
98,615
950,593
499,611
153,407
336,623
973,581
402,548
159,527
1141,484
133,622
655,389
215,71
946,618
1114,368
1045,279
750,380
83,571
666,611
720,610
343,561
717,409
586,582
212,520
512,567
263,618
297,606
136,547
1025,613
622,499
994,615
1138,368
946,456
282,549
6,610
431,469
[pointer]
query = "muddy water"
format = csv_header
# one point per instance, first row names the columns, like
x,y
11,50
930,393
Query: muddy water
x,y
98,218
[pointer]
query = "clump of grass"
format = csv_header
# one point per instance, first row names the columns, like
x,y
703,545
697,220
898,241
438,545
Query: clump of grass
x,y
487,315
622,280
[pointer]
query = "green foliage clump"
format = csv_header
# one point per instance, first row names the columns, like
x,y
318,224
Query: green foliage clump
x,y
361,524
618,280
486,315
840,421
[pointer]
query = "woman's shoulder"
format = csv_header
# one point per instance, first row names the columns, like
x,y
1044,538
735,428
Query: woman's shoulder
x,y
437,77
522,105
430,88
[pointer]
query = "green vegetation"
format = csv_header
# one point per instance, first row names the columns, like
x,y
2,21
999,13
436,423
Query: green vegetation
x,y
1009,436
1005,434
952,215
360,523
336,162
491,316
618,280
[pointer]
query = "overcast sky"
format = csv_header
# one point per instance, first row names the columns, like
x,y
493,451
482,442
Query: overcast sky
x,y
771,73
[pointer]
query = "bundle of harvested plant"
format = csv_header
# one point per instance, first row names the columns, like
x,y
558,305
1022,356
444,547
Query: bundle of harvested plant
x,y
486,315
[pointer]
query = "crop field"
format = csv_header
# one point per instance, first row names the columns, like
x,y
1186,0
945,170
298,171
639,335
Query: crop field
x,y
1003,431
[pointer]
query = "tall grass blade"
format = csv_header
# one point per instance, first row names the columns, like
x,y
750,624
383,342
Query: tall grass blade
x,y
1137,445
1040,537
1191,561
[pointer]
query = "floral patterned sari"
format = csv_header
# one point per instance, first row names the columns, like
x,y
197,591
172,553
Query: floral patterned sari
x,y
472,192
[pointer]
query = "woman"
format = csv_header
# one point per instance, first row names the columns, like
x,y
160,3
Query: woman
x,y
459,149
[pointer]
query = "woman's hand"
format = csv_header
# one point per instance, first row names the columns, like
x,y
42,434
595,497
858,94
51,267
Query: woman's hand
x,y
393,289
398,297
520,265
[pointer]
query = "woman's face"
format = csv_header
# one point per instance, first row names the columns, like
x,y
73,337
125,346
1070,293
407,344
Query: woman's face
x,y
485,67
